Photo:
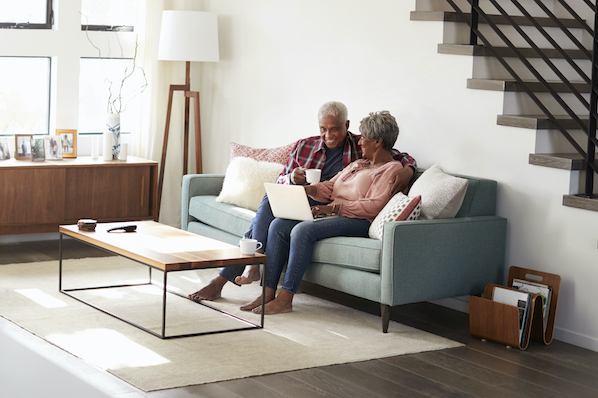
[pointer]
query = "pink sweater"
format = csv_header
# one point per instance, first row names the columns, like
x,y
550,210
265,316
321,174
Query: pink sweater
x,y
361,191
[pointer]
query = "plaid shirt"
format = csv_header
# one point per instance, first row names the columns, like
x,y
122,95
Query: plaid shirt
x,y
310,153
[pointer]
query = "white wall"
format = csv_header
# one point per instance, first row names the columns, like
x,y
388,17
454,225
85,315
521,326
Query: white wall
x,y
280,60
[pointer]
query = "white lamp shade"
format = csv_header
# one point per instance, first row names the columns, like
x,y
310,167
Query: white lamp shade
x,y
189,36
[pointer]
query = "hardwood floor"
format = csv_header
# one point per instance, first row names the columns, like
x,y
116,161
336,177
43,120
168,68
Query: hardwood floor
x,y
478,369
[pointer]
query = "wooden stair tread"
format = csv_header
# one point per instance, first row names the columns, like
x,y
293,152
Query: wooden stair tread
x,y
451,16
580,202
564,161
483,51
538,122
513,86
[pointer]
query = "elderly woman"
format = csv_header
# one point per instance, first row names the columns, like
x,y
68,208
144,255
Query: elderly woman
x,y
356,195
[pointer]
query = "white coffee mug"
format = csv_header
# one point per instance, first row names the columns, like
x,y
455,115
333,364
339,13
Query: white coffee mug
x,y
313,175
249,246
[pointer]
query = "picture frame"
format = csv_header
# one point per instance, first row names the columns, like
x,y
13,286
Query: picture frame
x,y
52,148
38,153
4,150
23,146
68,141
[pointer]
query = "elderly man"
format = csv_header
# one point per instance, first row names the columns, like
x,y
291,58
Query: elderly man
x,y
331,151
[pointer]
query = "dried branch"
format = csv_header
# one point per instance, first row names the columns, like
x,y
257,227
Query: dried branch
x,y
117,103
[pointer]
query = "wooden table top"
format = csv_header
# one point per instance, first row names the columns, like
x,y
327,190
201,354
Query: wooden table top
x,y
80,161
163,247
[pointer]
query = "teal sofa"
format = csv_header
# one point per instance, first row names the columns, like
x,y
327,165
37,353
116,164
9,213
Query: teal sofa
x,y
416,260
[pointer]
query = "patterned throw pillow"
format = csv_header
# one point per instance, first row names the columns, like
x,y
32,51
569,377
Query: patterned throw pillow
x,y
273,155
400,208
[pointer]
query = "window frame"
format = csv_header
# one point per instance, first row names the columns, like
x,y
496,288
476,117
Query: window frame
x,y
108,28
26,25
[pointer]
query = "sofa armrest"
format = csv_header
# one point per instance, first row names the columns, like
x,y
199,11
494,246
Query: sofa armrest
x,y
431,259
197,185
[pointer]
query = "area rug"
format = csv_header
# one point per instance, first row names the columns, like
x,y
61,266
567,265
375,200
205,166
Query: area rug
x,y
316,333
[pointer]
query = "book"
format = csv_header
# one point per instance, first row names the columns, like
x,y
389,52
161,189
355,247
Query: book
x,y
540,289
519,299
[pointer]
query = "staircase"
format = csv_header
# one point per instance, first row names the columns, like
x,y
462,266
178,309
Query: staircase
x,y
540,54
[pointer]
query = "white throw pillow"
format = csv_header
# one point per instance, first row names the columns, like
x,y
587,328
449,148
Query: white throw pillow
x,y
399,208
244,182
442,194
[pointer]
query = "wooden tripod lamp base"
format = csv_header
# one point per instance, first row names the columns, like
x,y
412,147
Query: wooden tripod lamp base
x,y
197,120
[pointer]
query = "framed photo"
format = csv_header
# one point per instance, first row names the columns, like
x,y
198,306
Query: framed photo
x,y
52,148
4,151
23,146
68,142
38,153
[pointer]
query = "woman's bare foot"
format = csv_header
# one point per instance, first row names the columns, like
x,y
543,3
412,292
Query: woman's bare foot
x,y
212,291
281,304
250,274
258,301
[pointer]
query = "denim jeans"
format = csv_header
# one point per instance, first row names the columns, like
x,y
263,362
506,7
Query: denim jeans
x,y
292,242
257,230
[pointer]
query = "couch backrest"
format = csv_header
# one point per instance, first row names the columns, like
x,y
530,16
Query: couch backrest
x,y
480,198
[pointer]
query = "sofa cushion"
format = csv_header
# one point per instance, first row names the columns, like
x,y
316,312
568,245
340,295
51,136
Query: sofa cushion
x,y
244,182
275,155
350,252
442,194
224,216
399,208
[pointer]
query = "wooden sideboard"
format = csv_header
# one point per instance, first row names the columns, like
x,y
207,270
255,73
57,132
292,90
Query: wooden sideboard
x,y
37,197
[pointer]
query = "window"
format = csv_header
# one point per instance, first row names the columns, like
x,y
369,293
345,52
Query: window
x,y
24,95
105,15
26,14
39,84
103,80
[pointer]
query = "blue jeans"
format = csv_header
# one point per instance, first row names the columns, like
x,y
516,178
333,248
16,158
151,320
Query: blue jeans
x,y
257,230
292,242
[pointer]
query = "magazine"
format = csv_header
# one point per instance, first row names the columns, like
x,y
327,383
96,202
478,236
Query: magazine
x,y
543,291
518,299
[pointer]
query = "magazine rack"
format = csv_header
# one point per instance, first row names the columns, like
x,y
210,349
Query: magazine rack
x,y
499,322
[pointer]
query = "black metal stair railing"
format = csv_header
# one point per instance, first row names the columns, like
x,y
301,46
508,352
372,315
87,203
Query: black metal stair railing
x,y
476,15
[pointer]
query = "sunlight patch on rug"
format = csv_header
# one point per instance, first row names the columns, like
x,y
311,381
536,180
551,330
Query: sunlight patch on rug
x,y
41,298
107,349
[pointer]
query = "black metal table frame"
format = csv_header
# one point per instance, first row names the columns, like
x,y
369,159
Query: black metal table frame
x,y
164,294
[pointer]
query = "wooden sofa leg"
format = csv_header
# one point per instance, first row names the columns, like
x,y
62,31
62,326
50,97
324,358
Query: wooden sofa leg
x,y
385,311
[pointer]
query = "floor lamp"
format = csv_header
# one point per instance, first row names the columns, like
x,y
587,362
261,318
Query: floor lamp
x,y
190,36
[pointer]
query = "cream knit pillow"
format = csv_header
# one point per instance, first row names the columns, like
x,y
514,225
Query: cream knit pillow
x,y
244,182
442,194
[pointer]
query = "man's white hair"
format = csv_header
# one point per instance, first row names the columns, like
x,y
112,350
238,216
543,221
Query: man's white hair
x,y
335,109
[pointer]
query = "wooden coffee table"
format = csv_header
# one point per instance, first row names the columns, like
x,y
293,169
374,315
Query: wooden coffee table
x,y
164,248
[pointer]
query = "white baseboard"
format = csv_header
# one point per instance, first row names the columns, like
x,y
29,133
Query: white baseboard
x,y
580,340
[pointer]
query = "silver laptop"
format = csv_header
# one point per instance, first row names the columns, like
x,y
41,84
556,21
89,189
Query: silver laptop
x,y
290,202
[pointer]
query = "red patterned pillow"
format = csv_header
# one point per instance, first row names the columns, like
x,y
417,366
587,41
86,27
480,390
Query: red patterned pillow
x,y
400,208
274,155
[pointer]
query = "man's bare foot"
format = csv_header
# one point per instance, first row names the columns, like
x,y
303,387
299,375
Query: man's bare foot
x,y
250,274
258,301
212,291
281,304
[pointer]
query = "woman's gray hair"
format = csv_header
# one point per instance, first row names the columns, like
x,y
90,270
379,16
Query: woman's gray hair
x,y
335,109
380,125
